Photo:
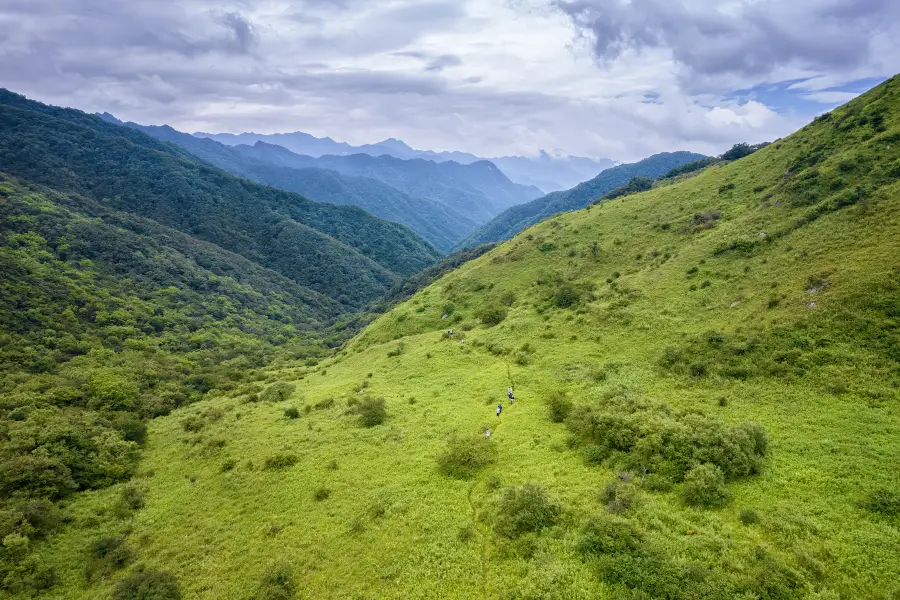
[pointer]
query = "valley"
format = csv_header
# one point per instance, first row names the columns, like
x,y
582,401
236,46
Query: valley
x,y
218,389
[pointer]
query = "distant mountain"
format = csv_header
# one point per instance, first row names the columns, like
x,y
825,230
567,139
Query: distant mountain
x,y
517,218
442,202
341,252
440,225
545,171
480,190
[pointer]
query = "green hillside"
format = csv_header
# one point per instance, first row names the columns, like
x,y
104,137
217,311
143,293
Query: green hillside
x,y
440,225
707,382
339,251
515,219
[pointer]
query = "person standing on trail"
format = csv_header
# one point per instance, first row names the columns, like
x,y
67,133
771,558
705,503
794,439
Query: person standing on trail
x,y
487,433
499,409
510,394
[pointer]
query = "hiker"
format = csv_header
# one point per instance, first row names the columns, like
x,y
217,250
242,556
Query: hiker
x,y
450,333
487,433
510,394
499,409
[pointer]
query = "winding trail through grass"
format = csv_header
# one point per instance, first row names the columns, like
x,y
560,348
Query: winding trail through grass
x,y
483,535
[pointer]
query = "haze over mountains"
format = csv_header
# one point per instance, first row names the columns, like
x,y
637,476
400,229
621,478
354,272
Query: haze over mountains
x,y
443,202
545,171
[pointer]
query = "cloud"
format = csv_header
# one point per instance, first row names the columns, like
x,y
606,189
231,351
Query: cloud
x,y
831,97
745,39
492,78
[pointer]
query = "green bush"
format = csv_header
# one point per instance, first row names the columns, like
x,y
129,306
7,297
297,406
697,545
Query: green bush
x,y
321,494
558,406
618,496
106,556
465,456
280,461
704,485
566,296
608,535
278,392
882,501
292,413
492,315
658,483
277,583
148,585
647,437
371,411
748,516
525,509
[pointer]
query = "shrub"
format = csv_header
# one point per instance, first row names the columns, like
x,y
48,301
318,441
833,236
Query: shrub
x,y
278,392
280,461
292,412
704,485
371,411
883,502
193,424
566,296
228,465
107,555
465,456
525,509
396,351
492,315
558,406
321,494
148,585
658,483
507,298
132,497
618,496
277,583
608,535
748,516
36,476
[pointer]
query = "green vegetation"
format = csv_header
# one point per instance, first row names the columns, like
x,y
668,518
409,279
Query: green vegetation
x,y
339,251
665,442
441,224
515,219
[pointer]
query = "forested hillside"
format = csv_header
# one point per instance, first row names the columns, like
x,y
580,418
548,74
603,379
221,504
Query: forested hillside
x,y
340,251
441,225
510,222
707,406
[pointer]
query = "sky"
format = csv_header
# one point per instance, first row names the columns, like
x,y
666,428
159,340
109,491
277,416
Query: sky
x,y
619,79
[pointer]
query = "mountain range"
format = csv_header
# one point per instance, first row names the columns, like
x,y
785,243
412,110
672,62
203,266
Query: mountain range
x,y
442,202
546,171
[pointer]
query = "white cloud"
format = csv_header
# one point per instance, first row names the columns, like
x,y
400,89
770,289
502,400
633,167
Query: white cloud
x,y
488,77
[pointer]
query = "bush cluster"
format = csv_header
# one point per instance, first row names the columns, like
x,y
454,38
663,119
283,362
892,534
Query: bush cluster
x,y
148,585
492,314
371,410
466,455
278,392
525,509
653,439
277,583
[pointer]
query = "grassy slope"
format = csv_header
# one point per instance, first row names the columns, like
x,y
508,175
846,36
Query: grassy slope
x,y
390,527
516,218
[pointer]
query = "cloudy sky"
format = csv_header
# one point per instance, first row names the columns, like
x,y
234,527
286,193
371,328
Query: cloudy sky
x,y
605,78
